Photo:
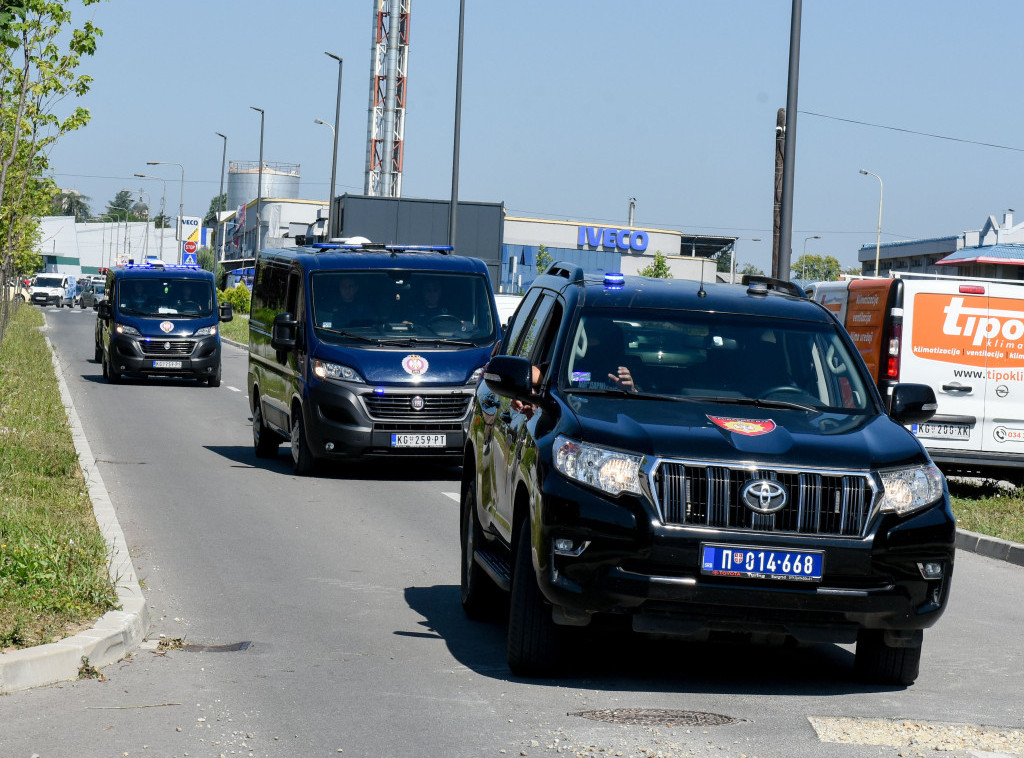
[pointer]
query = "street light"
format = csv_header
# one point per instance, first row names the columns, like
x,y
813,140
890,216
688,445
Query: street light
x,y
803,268
334,155
330,197
181,200
259,186
223,158
163,203
732,258
878,239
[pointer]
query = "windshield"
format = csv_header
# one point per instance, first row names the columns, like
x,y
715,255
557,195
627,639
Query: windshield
x,y
49,281
732,359
165,296
403,307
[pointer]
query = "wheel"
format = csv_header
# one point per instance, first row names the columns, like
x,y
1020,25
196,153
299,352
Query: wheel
x,y
303,462
110,373
264,440
81,305
479,592
214,381
97,354
879,662
534,641
60,303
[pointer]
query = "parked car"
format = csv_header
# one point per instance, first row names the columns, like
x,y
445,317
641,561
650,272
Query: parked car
x,y
704,460
92,293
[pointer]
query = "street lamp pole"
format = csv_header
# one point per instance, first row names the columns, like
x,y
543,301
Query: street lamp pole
x,y
223,160
453,211
803,267
163,203
181,200
259,187
878,239
732,261
334,155
330,197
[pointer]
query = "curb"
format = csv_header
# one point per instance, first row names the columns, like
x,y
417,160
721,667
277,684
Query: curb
x,y
990,547
116,633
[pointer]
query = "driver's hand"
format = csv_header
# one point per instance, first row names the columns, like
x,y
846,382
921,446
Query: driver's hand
x,y
623,379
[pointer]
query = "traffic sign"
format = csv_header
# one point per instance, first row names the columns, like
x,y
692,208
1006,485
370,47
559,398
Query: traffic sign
x,y
190,259
191,247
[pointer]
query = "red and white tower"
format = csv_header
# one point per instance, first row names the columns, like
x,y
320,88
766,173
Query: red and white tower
x,y
385,133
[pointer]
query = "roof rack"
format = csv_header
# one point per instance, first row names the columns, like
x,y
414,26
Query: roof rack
x,y
565,270
751,282
155,266
380,247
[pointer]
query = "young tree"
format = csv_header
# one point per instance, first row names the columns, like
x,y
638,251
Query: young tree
x,y
207,258
210,219
750,268
544,260
658,268
816,268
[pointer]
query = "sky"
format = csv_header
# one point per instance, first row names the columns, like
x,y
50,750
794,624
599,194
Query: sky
x,y
570,109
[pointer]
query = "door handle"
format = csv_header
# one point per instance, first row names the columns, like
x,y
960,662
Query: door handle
x,y
957,388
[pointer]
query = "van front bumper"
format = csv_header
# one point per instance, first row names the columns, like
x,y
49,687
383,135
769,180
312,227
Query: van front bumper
x,y
351,420
195,357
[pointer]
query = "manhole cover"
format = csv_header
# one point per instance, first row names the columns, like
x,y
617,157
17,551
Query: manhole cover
x,y
657,717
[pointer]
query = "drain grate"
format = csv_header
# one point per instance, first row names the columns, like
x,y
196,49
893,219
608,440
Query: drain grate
x,y
657,717
228,648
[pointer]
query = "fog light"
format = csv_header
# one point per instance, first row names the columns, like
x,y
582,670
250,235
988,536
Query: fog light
x,y
329,446
930,569
569,547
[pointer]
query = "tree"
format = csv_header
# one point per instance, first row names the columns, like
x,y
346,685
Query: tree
x,y
723,261
750,268
816,268
72,203
544,260
658,268
210,219
207,258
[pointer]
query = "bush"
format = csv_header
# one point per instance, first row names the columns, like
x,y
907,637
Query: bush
x,y
238,296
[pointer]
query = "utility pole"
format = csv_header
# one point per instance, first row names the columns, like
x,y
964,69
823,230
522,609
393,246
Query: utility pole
x,y
780,152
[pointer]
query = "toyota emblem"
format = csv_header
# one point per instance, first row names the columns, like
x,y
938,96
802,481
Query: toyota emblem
x,y
763,496
417,403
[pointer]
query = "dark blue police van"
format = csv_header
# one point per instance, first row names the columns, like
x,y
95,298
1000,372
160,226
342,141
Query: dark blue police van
x,y
160,320
366,350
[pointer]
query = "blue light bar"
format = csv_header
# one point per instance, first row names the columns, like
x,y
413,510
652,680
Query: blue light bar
x,y
164,266
614,279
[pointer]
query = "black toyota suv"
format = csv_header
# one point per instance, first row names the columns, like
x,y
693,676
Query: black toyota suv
x,y
707,459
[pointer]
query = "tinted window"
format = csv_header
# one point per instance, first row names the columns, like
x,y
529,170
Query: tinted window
x,y
165,296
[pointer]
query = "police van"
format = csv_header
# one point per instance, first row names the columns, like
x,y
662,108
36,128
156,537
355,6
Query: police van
x,y
160,320
366,350
964,337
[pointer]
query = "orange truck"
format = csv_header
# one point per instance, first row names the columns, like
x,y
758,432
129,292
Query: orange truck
x,y
964,337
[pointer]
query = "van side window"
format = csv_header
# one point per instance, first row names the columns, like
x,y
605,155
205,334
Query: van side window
x,y
519,320
268,293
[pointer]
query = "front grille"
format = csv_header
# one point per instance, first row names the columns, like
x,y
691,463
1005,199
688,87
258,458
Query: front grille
x,y
697,494
426,428
400,406
166,347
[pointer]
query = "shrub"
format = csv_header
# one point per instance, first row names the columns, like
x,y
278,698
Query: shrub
x,y
238,296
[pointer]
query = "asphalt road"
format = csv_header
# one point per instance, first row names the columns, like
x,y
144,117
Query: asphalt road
x,y
344,590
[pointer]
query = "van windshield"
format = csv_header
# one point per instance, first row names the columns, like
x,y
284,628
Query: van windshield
x,y
49,281
165,296
388,306
718,357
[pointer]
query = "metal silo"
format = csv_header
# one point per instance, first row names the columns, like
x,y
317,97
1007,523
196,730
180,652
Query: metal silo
x,y
280,180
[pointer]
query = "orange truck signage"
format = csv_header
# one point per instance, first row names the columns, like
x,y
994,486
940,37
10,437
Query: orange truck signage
x,y
865,318
969,330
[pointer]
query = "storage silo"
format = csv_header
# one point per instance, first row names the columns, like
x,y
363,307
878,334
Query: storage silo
x,y
280,180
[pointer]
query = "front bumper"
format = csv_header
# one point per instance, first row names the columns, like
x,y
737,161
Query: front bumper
x,y
635,565
194,357
350,420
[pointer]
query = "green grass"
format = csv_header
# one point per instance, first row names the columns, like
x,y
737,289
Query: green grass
x,y
53,560
236,329
985,508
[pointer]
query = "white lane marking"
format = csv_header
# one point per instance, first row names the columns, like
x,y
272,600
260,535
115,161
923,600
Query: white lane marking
x,y
453,495
233,389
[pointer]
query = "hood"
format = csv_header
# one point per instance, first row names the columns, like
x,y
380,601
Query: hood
x,y
738,433
412,365
159,327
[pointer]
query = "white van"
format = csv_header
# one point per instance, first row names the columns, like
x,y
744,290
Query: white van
x,y
50,289
962,336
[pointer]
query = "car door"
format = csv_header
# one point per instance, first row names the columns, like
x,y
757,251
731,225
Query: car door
x,y
1002,427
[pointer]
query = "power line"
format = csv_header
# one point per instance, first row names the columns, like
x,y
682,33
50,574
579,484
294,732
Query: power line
x,y
911,131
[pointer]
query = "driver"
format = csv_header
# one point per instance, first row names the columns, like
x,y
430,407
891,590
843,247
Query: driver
x,y
430,307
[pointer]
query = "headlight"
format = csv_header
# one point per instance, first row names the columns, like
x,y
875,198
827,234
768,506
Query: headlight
x,y
607,470
206,331
129,331
910,489
475,377
327,370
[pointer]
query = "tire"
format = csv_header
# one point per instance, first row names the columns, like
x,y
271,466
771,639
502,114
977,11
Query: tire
x,y
81,305
480,595
214,381
534,641
881,663
303,462
111,374
264,440
97,354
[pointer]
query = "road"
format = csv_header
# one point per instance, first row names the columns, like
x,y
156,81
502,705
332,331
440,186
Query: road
x,y
344,591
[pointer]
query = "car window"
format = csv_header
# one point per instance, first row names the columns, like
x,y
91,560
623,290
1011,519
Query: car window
x,y
519,320
697,354
524,348
165,296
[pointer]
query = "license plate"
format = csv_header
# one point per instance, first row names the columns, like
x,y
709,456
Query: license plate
x,y
761,563
419,440
166,364
933,431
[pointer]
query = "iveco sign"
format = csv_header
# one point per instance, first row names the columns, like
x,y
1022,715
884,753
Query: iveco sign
x,y
612,239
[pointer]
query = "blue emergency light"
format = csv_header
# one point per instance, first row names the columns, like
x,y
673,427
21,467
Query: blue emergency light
x,y
614,280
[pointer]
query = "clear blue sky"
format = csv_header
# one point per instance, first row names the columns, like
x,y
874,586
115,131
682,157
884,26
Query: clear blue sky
x,y
571,108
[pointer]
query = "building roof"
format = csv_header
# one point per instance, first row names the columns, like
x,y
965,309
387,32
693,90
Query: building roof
x,y
1007,254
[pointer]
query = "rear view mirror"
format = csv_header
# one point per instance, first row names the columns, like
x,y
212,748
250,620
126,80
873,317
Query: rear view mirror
x,y
912,403
282,333
103,309
226,312
510,376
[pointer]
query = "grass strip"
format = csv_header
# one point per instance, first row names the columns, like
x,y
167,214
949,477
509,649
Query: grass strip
x,y
986,508
236,329
53,559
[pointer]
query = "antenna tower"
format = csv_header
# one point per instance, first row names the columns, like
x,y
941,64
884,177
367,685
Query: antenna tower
x,y
385,132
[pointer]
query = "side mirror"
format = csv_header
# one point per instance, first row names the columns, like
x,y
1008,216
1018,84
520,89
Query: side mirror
x,y
912,403
226,312
510,376
103,309
282,333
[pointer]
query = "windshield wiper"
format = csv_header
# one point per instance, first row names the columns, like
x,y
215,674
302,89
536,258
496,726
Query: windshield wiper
x,y
619,392
757,402
442,341
347,334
